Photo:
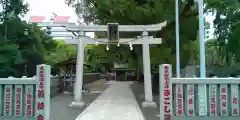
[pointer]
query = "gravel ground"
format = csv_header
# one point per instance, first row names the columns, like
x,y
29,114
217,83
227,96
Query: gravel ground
x,y
59,105
148,113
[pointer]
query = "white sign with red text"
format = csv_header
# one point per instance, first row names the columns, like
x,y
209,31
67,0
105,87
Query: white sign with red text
x,y
165,87
179,99
8,100
223,100
234,100
1,100
43,92
29,100
18,100
213,100
190,100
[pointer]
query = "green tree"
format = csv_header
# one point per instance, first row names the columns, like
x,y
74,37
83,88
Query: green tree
x,y
60,53
146,12
227,27
9,55
213,57
31,42
23,44
13,8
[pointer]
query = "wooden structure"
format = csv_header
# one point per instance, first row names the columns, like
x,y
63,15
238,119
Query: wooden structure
x,y
68,75
122,74
67,67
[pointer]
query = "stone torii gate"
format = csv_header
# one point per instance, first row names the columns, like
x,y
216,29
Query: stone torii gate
x,y
144,39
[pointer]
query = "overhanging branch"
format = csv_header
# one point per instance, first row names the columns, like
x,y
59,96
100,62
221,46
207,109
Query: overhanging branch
x,y
185,13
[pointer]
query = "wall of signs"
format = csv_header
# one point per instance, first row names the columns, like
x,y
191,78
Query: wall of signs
x,y
20,100
223,100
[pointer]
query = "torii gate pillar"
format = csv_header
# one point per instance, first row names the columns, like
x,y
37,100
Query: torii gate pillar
x,y
146,40
78,102
147,72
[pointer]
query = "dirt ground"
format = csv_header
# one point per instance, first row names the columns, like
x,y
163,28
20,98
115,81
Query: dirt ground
x,y
59,104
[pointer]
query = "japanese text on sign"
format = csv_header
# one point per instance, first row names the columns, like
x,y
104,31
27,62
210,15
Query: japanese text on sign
x,y
167,94
190,100
40,95
179,101
8,101
18,103
235,100
29,102
213,106
224,100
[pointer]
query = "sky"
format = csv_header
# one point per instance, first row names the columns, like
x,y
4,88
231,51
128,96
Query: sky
x,y
48,7
58,7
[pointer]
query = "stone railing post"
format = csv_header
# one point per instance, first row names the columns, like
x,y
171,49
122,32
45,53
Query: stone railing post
x,y
43,92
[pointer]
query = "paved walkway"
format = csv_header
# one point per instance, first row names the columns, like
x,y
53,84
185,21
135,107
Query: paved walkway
x,y
117,102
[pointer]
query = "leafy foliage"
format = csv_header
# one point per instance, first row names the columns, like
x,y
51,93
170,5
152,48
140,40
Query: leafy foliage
x,y
60,53
31,47
227,27
13,8
9,55
145,12
23,45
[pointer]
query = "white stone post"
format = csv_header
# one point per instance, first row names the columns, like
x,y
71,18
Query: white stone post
x,y
78,102
147,73
43,92
165,91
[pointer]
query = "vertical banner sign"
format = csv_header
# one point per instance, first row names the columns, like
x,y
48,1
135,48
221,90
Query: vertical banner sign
x,y
1,100
179,99
213,99
234,100
29,100
43,92
223,100
165,91
190,100
8,100
18,100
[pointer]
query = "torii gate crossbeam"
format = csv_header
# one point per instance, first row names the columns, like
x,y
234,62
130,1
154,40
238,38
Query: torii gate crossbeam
x,y
144,39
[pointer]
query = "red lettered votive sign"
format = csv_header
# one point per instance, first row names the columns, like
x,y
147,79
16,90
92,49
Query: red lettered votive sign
x,y
224,100
40,95
29,101
8,101
213,102
179,101
167,93
18,101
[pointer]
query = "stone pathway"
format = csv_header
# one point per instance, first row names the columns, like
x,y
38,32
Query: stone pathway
x,y
115,103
